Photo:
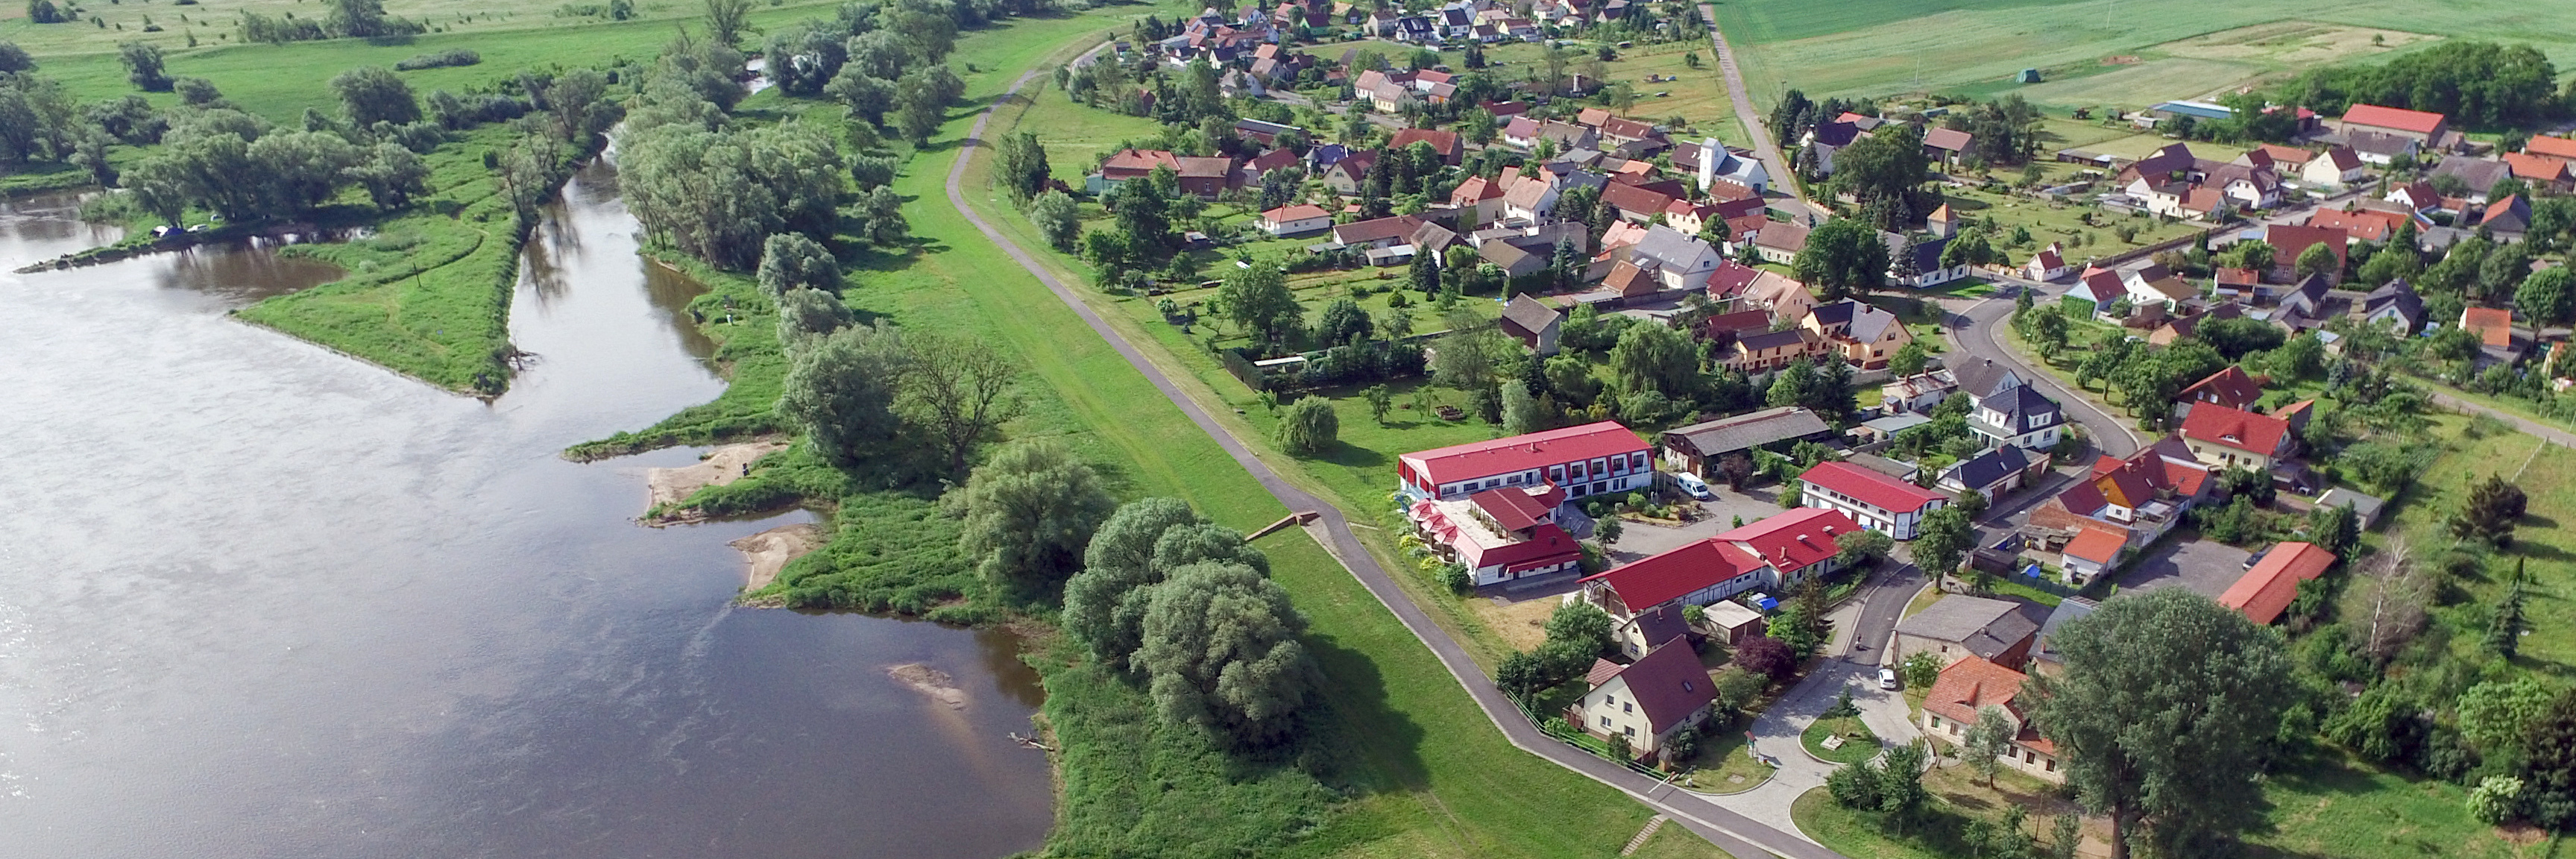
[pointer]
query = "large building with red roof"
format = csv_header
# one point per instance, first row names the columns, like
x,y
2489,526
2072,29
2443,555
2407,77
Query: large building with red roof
x,y
1591,459
1499,534
1966,689
2415,125
1773,554
2268,588
1876,501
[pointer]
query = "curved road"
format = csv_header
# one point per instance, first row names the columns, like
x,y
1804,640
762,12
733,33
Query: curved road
x,y
1735,833
1976,331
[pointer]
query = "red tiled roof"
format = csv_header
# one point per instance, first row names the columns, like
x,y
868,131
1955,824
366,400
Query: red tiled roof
x,y
2274,581
1870,487
2048,258
1139,161
2238,277
1794,539
2099,545
1205,168
1475,190
1443,142
1730,279
2363,224
1970,685
1512,507
2289,241
2536,167
2242,430
2553,147
2391,117
1299,212
2494,326
1522,452
1947,139
1632,198
2229,387
1678,572
2280,154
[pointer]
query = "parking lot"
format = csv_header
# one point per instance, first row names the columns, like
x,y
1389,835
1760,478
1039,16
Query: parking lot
x,y
2205,567
1638,541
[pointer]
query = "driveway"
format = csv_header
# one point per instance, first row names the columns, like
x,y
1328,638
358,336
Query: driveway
x,y
2204,567
1639,541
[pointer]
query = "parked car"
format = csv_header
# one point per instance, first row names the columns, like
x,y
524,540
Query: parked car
x,y
2256,558
1887,678
1691,485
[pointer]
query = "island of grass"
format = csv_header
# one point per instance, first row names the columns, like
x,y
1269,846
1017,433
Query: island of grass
x,y
1725,765
1858,743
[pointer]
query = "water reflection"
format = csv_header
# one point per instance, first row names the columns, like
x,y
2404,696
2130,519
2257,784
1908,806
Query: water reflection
x,y
257,599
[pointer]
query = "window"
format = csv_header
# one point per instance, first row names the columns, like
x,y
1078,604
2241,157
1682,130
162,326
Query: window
x,y
1556,473
1629,707
1514,480
1636,460
2050,764
1631,731
1605,722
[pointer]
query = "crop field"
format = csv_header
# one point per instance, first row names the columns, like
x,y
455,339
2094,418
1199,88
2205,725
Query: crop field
x,y
2098,52
219,25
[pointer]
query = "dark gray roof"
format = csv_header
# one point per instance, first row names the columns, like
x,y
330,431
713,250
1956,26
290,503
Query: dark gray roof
x,y
2396,294
2072,608
1982,378
1530,314
1991,467
1837,313
2478,174
2020,401
1662,624
1751,429
1986,627
1773,339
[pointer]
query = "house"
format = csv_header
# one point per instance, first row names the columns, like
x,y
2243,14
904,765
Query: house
x,y
2223,437
2507,219
1788,300
2093,293
1780,242
1993,473
1699,447
1984,378
1478,200
1533,323
2540,172
1699,572
2230,387
1919,392
1264,133
2268,587
1965,627
1128,164
2382,149
1943,222
1754,354
1925,256
2095,550
1637,634
1946,145
2548,146
2336,167
1827,138
2419,126
2289,241
1796,545
1866,335
1648,700
1347,175
1291,220
1590,459
2143,496
1681,260
1205,178
2478,175
1635,203
2019,416
1878,502
2369,225
1970,687
1718,162
2306,305
1499,535
1376,233
2498,343
2417,196
2046,265
2394,303
2157,286
1445,143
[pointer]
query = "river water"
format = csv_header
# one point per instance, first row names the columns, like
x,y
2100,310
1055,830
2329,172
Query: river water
x,y
259,599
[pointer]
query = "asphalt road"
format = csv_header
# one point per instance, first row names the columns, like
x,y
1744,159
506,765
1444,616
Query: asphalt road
x,y
1732,832
1764,147
1975,332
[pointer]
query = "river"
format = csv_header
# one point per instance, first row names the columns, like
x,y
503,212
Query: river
x,y
259,599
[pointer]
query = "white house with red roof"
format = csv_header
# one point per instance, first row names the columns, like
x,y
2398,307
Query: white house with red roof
x,y
2230,387
1797,544
2416,125
1586,460
1499,534
1966,689
2222,437
1776,553
1874,500
2047,264
1291,220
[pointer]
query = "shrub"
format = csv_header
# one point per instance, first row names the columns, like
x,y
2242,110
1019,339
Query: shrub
x,y
2496,800
440,60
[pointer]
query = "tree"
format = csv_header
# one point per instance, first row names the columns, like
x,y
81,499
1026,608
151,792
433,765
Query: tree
x,y
2495,715
1655,358
2392,599
1942,539
1583,624
1862,547
366,19
1900,784
1257,301
1220,649
921,99
1987,742
1028,514
1343,323
2549,764
143,66
770,179
841,391
728,21
2490,511
1922,669
1520,410
1766,656
1842,257
392,176
1310,427
790,261
2504,631
1023,170
1380,402
956,390
806,312
2048,332
2496,799
1908,361
1609,532
2547,297
1104,605
2165,697
2319,260
372,94
44,12
1057,217
2253,254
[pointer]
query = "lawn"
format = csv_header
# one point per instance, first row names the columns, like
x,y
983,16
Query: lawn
x,y
1698,96
1723,759
2085,231
1859,744
2096,52
1958,795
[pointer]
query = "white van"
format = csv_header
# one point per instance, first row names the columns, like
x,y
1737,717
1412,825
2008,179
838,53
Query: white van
x,y
1691,485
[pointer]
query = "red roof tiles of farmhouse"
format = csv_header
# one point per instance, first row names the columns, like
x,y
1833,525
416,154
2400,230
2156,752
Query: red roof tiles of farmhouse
x,y
2553,147
1796,538
1523,452
1870,487
1690,567
2274,581
2391,117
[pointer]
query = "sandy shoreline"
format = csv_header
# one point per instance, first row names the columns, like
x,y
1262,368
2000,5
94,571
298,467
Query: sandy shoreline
x,y
669,486
929,681
769,551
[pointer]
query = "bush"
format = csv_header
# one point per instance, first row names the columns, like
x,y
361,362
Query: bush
x,y
1766,656
1455,578
440,60
2496,800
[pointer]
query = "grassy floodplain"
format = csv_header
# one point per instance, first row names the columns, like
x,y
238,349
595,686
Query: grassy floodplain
x,y
2098,52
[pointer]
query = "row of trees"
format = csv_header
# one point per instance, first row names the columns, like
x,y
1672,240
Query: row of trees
x,y
884,61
